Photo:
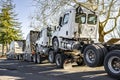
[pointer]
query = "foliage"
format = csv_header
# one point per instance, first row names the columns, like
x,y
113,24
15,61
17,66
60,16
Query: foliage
x,y
9,26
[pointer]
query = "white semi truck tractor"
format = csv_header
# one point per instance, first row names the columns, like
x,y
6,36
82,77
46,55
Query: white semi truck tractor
x,y
77,29
16,50
43,46
30,45
75,40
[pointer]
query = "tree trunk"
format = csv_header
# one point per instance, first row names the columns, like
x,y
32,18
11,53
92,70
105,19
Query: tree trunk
x,y
2,49
101,38
101,33
7,48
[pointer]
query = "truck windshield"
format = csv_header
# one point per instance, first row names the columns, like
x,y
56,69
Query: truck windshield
x,y
80,18
92,19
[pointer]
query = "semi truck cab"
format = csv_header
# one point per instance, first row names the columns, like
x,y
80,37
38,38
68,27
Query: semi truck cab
x,y
74,25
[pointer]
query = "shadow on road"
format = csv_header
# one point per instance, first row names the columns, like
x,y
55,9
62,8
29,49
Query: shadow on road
x,y
20,70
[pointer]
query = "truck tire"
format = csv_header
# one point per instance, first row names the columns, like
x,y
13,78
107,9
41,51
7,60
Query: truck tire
x,y
39,59
104,50
17,57
112,64
7,57
36,49
29,57
51,56
24,57
11,56
59,60
93,56
20,58
55,44
34,58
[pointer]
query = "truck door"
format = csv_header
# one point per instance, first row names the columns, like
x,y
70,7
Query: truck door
x,y
64,27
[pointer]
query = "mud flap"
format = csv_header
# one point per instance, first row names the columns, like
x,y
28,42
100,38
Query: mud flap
x,y
67,64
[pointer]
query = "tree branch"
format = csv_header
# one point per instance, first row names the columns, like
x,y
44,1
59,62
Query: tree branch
x,y
115,18
108,14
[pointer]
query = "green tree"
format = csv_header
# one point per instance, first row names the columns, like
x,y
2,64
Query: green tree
x,y
9,25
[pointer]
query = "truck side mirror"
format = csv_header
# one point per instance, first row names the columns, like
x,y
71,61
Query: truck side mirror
x,y
60,21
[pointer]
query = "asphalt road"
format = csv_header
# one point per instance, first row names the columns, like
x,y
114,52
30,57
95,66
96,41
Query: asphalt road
x,y
21,70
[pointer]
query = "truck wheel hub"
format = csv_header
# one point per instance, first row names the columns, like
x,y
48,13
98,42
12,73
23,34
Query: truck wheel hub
x,y
51,57
55,45
90,56
114,64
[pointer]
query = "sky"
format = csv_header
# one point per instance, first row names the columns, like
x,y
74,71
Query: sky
x,y
24,9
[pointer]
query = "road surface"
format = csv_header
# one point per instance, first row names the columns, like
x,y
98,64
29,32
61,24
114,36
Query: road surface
x,y
21,70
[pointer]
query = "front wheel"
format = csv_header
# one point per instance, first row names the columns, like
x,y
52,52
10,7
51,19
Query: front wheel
x,y
59,60
39,59
112,64
34,58
55,44
24,57
51,56
17,57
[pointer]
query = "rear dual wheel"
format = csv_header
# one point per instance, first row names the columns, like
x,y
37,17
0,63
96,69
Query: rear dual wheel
x,y
39,59
34,58
59,60
112,64
51,56
93,55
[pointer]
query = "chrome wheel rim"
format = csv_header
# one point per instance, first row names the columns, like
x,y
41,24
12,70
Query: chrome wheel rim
x,y
90,56
114,64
